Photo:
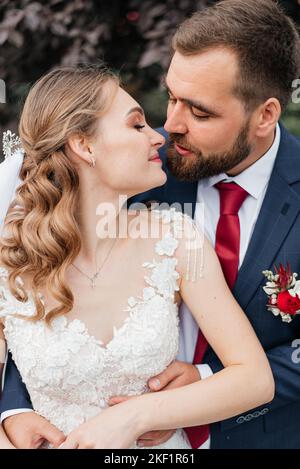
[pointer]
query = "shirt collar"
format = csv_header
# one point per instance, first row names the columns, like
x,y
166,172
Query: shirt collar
x,y
255,178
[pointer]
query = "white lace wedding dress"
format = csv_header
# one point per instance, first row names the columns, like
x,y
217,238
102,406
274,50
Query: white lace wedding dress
x,y
70,375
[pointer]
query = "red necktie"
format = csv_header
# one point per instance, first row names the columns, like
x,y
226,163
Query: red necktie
x,y
227,248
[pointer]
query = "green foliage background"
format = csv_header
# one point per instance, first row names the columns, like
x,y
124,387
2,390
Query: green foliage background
x,y
133,36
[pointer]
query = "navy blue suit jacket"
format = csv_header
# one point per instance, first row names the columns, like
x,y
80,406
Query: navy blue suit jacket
x,y
275,240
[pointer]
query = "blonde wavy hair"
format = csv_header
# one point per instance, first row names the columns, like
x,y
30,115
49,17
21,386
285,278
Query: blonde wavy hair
x,y
42,236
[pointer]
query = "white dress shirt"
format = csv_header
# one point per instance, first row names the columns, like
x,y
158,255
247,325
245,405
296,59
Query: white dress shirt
x,y
254,180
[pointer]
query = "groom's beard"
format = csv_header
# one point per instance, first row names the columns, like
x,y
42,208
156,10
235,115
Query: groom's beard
x,y
195,167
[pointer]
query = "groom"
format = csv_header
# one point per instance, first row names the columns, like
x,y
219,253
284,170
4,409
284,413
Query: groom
x,y
229,81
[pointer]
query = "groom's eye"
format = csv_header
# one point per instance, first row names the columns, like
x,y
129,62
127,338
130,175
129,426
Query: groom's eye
x,y
200,116
171,99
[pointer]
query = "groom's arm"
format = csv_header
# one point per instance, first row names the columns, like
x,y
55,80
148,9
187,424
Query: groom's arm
x,y
24,428
285,363
15,397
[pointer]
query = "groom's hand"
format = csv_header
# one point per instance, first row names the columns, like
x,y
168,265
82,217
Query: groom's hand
x,y
29,431
176,375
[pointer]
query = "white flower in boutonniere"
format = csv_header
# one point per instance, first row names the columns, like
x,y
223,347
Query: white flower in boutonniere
x,y
295,291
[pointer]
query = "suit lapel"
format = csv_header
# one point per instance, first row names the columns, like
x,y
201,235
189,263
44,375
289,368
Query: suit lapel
x,y
277,215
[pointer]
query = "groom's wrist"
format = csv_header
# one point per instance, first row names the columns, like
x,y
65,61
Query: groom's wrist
x,y
10,413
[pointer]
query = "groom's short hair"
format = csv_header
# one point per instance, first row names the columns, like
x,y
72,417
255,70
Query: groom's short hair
x,y
265,40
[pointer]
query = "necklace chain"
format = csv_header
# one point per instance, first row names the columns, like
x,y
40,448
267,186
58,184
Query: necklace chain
x,y
95,276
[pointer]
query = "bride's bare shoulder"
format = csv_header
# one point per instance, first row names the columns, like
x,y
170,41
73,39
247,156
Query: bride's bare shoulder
x,y
148,225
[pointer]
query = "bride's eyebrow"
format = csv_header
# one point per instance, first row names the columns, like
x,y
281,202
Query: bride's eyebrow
x,y
136,109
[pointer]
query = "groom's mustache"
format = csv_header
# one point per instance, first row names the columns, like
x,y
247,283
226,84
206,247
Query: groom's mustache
x,y
182,141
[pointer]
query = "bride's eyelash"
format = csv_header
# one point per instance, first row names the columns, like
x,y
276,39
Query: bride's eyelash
x,y
139,126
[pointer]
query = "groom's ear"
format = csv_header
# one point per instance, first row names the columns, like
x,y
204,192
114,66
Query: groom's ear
x,y
79,148
268,114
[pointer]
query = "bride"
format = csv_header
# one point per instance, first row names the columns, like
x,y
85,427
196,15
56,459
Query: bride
x,y
89,309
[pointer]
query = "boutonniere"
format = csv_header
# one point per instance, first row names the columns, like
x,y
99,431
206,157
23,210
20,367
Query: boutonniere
x,y
283,291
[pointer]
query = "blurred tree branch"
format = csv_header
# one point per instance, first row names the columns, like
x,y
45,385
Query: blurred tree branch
x,y
133,36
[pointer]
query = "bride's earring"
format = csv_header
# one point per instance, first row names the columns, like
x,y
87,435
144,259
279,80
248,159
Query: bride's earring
x,y
92,160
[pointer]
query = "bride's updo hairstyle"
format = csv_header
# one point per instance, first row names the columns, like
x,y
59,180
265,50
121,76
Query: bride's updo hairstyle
x,y
42,236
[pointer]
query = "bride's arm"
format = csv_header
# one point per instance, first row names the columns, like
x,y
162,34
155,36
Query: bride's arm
x,y
4,441
245,382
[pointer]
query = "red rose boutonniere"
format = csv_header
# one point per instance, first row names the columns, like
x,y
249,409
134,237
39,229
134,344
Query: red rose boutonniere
x,y
283,291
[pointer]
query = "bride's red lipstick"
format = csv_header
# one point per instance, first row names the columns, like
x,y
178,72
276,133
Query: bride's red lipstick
x,y
155,158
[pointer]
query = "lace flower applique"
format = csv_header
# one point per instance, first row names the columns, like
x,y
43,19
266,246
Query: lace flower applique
x,y
185,235
167,246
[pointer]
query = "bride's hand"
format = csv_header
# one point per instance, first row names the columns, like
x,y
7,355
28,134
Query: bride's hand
x,y
114,428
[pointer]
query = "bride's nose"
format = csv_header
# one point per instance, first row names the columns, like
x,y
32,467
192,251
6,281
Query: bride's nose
x,y
157,139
